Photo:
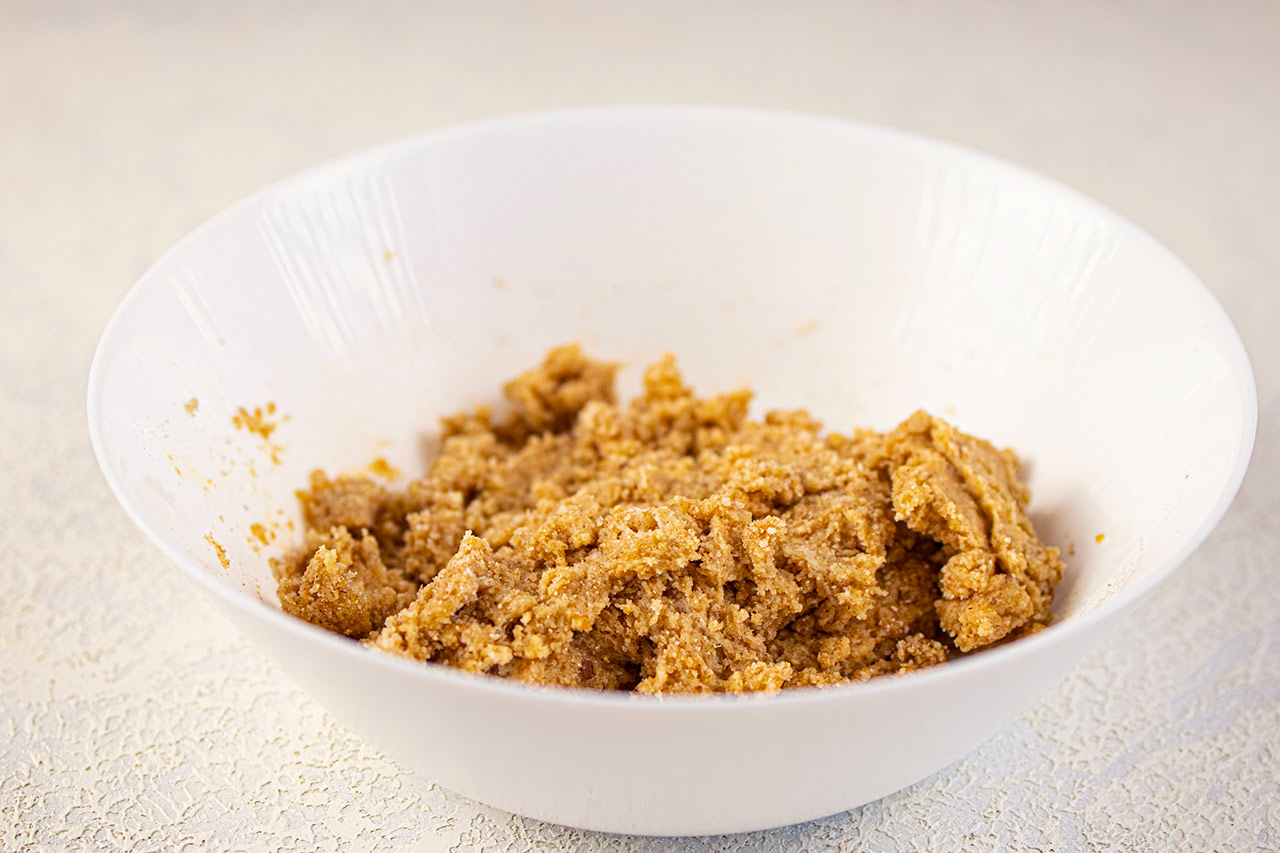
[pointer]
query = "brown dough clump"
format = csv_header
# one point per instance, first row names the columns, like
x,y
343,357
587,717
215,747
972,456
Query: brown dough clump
x,y
675,545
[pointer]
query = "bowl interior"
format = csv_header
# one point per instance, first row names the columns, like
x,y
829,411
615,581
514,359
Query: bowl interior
x,y
854,271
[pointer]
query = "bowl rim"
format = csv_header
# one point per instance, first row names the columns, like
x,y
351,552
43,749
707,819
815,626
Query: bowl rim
x,y
1053,636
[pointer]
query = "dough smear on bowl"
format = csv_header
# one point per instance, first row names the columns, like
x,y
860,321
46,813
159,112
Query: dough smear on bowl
x,y
672,544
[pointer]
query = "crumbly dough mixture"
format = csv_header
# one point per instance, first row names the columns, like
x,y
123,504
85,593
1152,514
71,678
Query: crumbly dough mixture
x,y
675,545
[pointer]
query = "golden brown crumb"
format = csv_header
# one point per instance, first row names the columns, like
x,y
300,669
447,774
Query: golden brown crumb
x,y
965,494
218,550
191,406
256,421
261,533
343,586
672,544
382,468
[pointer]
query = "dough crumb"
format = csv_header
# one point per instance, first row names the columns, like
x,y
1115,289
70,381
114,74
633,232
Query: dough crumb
x,y
674,545
218,551
255,421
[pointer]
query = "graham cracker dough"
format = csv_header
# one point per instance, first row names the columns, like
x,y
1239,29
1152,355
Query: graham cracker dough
x,y
675,545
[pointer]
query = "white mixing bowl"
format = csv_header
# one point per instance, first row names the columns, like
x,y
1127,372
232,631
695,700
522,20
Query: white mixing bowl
x,y
855,271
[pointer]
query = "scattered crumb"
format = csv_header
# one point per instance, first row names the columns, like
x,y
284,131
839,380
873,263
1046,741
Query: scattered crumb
x,y
191,406
1099,538
219,550
499,283
381,468
261,533
388,255
256,421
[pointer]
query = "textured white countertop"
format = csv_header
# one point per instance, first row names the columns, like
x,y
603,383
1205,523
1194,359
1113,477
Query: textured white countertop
x,y
133,717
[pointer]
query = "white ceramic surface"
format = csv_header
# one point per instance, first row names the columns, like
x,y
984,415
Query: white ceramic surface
x,y
856,271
